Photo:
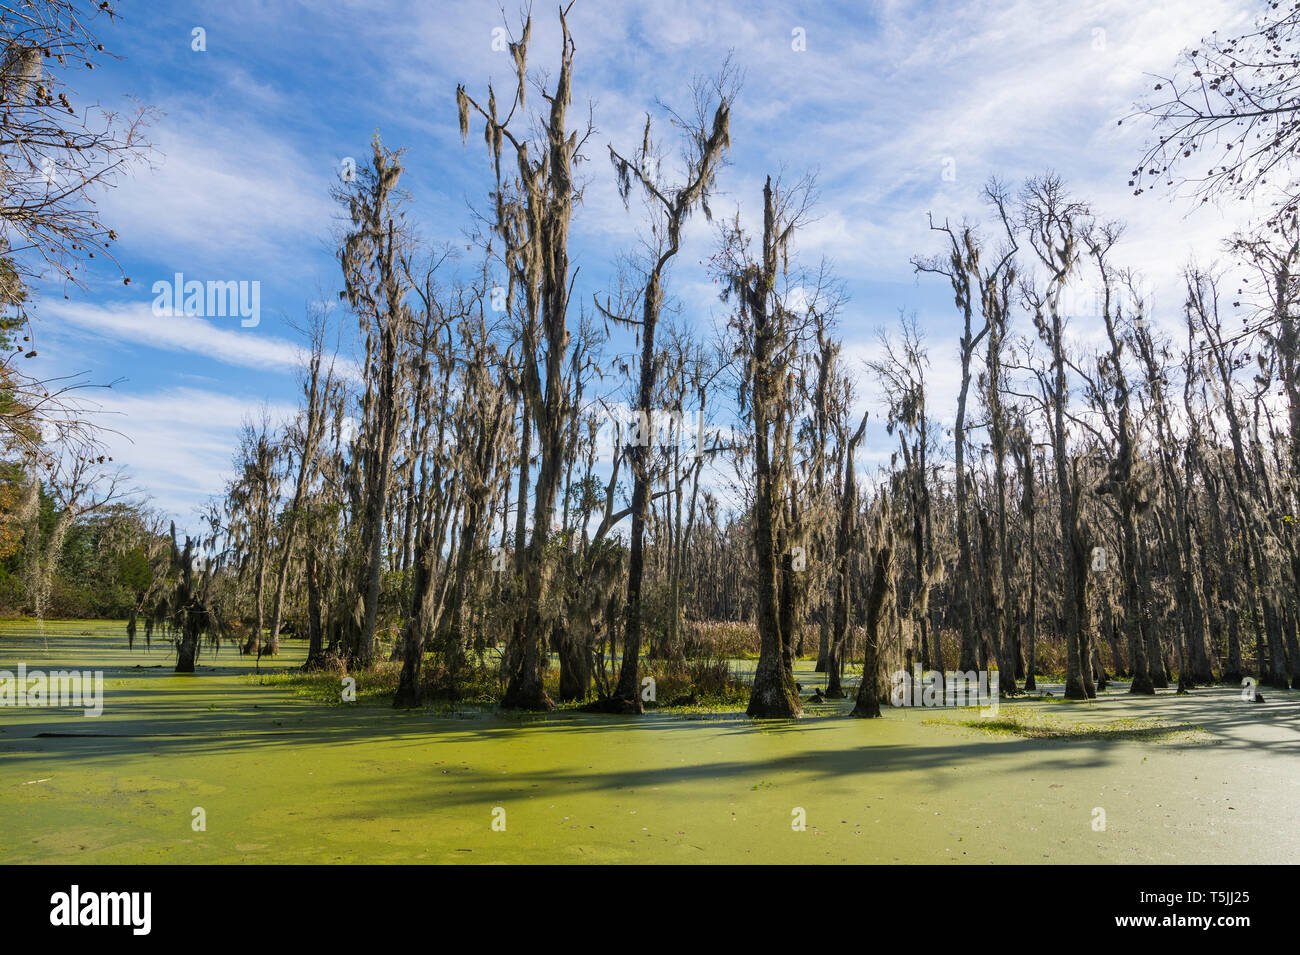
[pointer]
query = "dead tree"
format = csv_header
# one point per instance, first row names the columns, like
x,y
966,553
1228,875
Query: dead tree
x,y
877,600
532,217
1231,110
846,536
1124,481
434,452
79,485
1242,477
251,504
303,442
996,306
376,289
1022,451
706,136
1052,224
767,336
977,291
901,373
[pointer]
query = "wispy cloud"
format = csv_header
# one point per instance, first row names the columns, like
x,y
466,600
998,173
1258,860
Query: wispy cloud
x,y
178,443
137,324
224,194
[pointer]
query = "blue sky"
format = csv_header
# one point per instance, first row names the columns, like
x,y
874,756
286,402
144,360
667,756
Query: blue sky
x,y
884,99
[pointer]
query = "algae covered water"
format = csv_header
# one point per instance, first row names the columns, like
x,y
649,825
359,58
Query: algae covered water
x,y
275,776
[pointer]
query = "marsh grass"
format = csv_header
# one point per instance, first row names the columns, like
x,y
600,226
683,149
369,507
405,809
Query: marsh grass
x,y
1023,722
710,681
378,685
720,638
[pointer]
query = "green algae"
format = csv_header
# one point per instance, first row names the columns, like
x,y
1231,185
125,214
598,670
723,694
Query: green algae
x,y
1026,723
285,776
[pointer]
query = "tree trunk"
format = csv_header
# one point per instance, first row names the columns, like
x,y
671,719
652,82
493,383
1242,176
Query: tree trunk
x,y
870,691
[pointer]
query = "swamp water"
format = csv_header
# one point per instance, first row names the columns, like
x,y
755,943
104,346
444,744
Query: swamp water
x,y
280,777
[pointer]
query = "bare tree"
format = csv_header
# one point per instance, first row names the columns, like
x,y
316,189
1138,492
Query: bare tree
x,y
901,373
376,288
533,214
979,291
302,443
55,152
879,599
1231,109
705,137
1052,223
251,504
80,485
847,536
1124,479
768,334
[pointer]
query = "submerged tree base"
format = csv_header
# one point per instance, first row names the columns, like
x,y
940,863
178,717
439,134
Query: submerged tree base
x,y
407,698
866,709
774,700
615,706
529,696
1142,685
1074,690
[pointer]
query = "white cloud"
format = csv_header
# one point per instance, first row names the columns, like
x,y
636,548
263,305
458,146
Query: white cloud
x,y
178,443
222,194
137,324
